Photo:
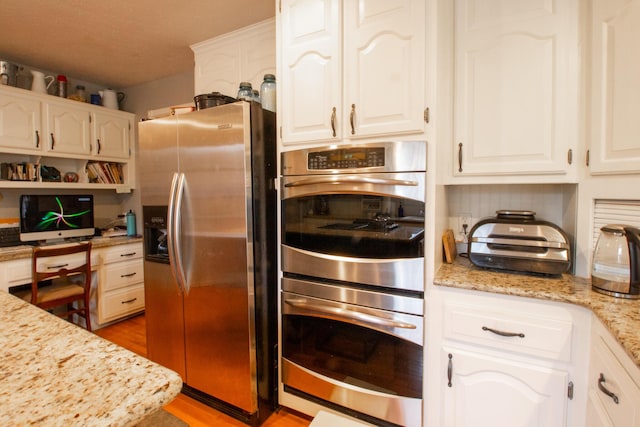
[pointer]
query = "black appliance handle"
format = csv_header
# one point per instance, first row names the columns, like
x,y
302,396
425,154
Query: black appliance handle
x,y
633,241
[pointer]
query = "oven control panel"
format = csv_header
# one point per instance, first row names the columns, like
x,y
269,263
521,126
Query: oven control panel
x,y
346,158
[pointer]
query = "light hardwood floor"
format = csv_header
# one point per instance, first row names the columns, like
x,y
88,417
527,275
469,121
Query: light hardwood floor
x,y
131,334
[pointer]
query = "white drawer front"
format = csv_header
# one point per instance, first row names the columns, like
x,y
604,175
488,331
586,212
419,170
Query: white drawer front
x,y
17,272
121,302
616,381
119,275
121,253
534,336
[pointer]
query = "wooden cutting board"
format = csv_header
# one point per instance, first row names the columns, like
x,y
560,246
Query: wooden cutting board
x,y
449,244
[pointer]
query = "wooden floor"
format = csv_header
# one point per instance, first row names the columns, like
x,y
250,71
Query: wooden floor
x,y
131,335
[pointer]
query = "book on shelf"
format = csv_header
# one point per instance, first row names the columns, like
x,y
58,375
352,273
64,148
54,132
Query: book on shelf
x,y
105,172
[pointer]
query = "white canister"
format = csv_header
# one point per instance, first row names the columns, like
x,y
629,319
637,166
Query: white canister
x,y
268,92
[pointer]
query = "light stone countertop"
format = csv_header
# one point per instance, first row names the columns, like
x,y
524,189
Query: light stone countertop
x,y
25,251
620,316
55,373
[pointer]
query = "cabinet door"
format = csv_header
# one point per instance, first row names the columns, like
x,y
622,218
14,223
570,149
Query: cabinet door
x,y
615,87
111,134
491,391
310,71
384,67
19,123
67,129
515,84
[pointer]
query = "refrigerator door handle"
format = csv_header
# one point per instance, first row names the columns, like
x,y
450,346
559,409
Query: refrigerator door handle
x,y
172,233
182,281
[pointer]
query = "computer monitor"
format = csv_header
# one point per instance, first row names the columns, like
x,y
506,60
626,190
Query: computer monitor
x,y
54,217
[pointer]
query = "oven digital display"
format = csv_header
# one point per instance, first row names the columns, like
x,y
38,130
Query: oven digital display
x,y
346,158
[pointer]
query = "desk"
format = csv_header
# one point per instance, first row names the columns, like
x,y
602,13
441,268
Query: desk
x,y
118,280
57,374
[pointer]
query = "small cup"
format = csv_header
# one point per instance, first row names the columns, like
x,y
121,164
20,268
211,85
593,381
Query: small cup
x,y
95,99
71,177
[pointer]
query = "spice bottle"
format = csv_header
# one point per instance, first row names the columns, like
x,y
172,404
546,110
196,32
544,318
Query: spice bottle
x,y
62,86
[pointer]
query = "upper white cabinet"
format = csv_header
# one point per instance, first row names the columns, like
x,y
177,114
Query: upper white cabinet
x,y
351,69
20,123
42,130
615,87
243,55
516,78
111,134
67,128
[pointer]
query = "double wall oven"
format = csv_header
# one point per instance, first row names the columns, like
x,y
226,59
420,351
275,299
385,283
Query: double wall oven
x,y
352,300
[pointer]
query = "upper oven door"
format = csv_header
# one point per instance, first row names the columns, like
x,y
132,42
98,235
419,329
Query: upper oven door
x,y
357,227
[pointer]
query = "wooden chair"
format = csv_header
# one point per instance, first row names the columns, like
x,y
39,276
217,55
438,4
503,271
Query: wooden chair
x,y
68,285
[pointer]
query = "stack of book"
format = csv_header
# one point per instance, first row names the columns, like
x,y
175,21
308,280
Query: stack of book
x,y
105,172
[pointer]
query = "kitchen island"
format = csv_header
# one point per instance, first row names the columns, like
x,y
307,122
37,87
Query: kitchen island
x,y
54,373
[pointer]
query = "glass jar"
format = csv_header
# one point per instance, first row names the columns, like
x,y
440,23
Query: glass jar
x,y
245,92
256,95
268,92
79,95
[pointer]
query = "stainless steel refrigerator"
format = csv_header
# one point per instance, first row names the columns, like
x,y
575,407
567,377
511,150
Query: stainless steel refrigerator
x,y
209,206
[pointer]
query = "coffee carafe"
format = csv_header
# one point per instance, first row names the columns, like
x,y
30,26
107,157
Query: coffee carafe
x,y
616,262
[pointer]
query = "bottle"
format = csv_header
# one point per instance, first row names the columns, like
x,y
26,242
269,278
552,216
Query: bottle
x,y
245,92
79,95
268,92
62,86
400,211
256,96
131,223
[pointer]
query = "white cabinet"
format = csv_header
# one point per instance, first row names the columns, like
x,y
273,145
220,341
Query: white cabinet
x,y
614,390
42,130
516,81
495,391
351,69
121,282
506,361
20,123
615,87
111,134
67,129
243,55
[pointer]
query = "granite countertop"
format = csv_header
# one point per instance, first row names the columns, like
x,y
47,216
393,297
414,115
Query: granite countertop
x,y
25,251
57,374
620,316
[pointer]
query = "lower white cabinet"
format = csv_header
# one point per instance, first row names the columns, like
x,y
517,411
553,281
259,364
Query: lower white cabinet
x,y
614,383
486,390
506,361
121,282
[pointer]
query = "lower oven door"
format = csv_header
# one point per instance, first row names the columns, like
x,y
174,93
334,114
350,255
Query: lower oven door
x,y
364,359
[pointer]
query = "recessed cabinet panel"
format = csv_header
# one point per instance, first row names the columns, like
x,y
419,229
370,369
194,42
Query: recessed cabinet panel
x,y
516,85
20,123
615,145
67,129
490,391
111,135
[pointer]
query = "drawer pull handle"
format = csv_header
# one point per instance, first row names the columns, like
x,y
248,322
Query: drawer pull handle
x,y
503,333
450,370
128,275
129,301
602,388
57,267
129,254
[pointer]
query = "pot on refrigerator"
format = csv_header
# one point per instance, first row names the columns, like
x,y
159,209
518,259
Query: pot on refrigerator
x,y
616,262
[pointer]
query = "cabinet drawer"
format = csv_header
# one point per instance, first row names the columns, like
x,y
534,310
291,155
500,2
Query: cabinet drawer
x,y
119,275
120,303
533,330
616,381
121,253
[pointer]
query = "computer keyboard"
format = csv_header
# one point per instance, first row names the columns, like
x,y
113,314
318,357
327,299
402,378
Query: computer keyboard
x,y
10,236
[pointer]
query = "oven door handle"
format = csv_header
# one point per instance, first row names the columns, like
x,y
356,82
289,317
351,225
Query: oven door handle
x,y
362,319
351,180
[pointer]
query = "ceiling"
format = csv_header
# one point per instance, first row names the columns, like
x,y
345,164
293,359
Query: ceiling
x,y
118,43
